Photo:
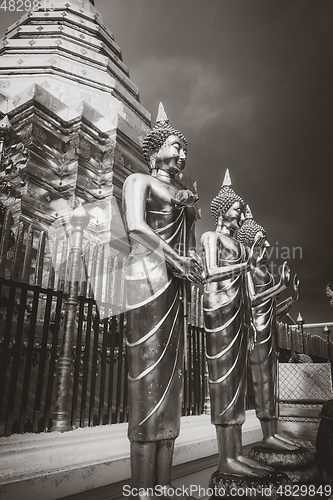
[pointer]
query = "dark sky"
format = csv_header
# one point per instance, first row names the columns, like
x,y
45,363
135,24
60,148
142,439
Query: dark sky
x,y
250,84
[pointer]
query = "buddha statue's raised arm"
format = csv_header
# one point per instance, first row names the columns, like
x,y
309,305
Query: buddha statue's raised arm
x,y
258,298
284,306
213,271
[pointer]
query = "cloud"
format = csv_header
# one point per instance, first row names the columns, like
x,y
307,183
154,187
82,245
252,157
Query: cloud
x,y
204,94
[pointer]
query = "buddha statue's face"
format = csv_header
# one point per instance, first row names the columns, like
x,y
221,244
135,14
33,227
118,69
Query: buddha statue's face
x,y
172,155
234,216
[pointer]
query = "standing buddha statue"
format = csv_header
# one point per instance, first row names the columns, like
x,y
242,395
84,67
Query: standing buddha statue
x,y
227,324
263,359
159,218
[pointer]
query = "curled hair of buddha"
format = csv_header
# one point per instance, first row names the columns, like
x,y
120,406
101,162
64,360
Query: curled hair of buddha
x,y
157,137
224,199
247,232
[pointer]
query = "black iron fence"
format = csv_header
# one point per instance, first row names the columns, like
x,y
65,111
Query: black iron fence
x,y
31,330
314,340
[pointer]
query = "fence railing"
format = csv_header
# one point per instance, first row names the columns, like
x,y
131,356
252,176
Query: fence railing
x,y
31,331
313,340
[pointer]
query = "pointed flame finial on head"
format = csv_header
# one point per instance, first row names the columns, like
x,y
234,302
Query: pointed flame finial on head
x,y
248,213
227,179
161,114
225,198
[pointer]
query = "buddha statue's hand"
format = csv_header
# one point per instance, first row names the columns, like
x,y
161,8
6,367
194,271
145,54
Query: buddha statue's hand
x,y
296,287
285,275
185,198
257,253
252,337
190,268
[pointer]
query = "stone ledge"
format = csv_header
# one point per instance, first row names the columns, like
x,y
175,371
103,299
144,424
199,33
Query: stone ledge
x,y
55,465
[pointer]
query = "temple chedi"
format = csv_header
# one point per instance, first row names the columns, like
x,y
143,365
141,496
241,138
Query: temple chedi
x,y
71,120
71,129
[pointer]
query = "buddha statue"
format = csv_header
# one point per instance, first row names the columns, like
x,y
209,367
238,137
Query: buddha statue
x,y
228,329
159,219
263,359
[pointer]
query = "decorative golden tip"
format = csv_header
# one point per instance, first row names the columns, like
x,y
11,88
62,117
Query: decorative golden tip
x,y
80,217
300,320
5,125
227,180
248,213
161,114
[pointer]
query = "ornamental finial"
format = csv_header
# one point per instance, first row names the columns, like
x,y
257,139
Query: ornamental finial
x,y
5,126
299,319
80,217
227,179
248,213
161,114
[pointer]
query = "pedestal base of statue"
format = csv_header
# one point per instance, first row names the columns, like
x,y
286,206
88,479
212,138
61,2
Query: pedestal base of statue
x,y
299,465
229,486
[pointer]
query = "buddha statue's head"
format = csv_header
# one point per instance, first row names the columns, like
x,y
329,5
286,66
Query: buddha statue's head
x,y
251,231
228,207
164,147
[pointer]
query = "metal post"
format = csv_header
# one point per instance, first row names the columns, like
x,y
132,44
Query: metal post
x,y
327,332
300,323
61,417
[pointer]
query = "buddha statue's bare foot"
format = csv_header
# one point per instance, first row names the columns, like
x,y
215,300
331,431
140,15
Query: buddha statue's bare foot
x,y
238,468
274,443
286,440
256,465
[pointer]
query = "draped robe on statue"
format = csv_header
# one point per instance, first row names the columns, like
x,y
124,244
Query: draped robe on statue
x,y
225,317
263,359
155,333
